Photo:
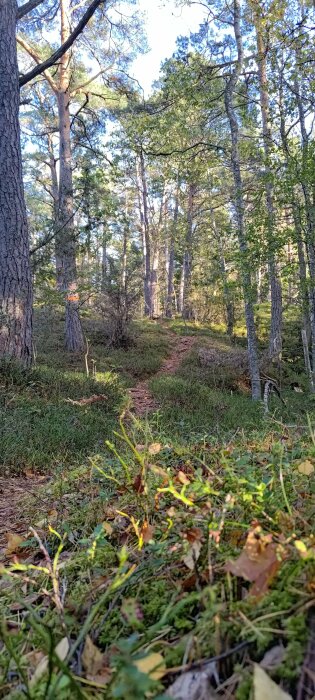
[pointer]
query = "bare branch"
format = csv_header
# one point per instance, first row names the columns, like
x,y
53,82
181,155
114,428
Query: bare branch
x,y
27,7
34,55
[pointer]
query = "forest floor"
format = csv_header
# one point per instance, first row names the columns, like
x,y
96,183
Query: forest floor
x,y
172,552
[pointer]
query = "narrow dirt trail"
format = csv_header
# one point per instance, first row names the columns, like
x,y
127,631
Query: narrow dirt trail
x,y
142,400
13,489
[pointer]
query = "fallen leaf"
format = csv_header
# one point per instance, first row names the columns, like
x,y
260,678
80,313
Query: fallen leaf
x,y
61,650
147,532
195,685
138,483
182,478
108,528
306,468
192,555
194,534
52,515
92,657
259,561
153,665
265,688
155,448
14,542
273,657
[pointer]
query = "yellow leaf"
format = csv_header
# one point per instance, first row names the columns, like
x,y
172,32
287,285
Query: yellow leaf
x,y
265,688
306,468
155,448
153,665
92,657
14,542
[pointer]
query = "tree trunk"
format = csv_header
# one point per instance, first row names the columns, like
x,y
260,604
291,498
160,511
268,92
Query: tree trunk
x,y
275,339
186,310
239,207
228,301
65,239
171,261
15,269
146,244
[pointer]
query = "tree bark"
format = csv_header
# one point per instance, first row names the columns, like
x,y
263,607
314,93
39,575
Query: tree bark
x,y
146,243
15,269
65,238
275,338
185,288
171,261
228,301
239,207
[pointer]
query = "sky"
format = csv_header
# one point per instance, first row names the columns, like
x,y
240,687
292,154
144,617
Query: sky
x,y
164,23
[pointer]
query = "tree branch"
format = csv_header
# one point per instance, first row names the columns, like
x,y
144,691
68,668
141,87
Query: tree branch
x,y
27,7
31,52
64,47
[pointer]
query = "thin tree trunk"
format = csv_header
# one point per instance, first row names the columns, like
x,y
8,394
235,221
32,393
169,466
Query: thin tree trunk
x,y
275,339
65,239
239,207
15,269
146,243
171,261
228,301
187,259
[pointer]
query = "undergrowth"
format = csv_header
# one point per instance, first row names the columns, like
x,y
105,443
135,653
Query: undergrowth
x,y
140,561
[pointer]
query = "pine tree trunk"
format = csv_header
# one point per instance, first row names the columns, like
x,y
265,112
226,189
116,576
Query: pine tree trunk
x,y
186,310
275,339
171,261
239,208
15,269
146,243
228,301
65,238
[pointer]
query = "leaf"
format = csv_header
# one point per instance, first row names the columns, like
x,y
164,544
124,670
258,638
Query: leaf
x,y
108,528
153,665
155,448
92,657
265,688
61,650
195,685
193,555
273,657
147,532
259,561
306,468
194,534
182,478
14,542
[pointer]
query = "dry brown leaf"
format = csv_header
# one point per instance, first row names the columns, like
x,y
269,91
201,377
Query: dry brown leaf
x,y
182,478
108,528
153,665
92,658
265,688
192,555
14,542
155,448
194,534
258,562
147,532
306,468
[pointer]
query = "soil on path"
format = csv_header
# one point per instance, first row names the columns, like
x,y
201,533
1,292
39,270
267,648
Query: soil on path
x,y
13,519
142,400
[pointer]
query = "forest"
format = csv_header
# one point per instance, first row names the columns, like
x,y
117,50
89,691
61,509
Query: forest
x,y
157,353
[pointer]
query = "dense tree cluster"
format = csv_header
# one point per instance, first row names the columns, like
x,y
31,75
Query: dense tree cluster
x,y
198,201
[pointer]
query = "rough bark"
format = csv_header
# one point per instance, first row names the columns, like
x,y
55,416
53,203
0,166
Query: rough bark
x,y
239,206
228,301
15,270
65,238
275,338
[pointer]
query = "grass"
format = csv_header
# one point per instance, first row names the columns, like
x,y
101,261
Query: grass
x,y
134,533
